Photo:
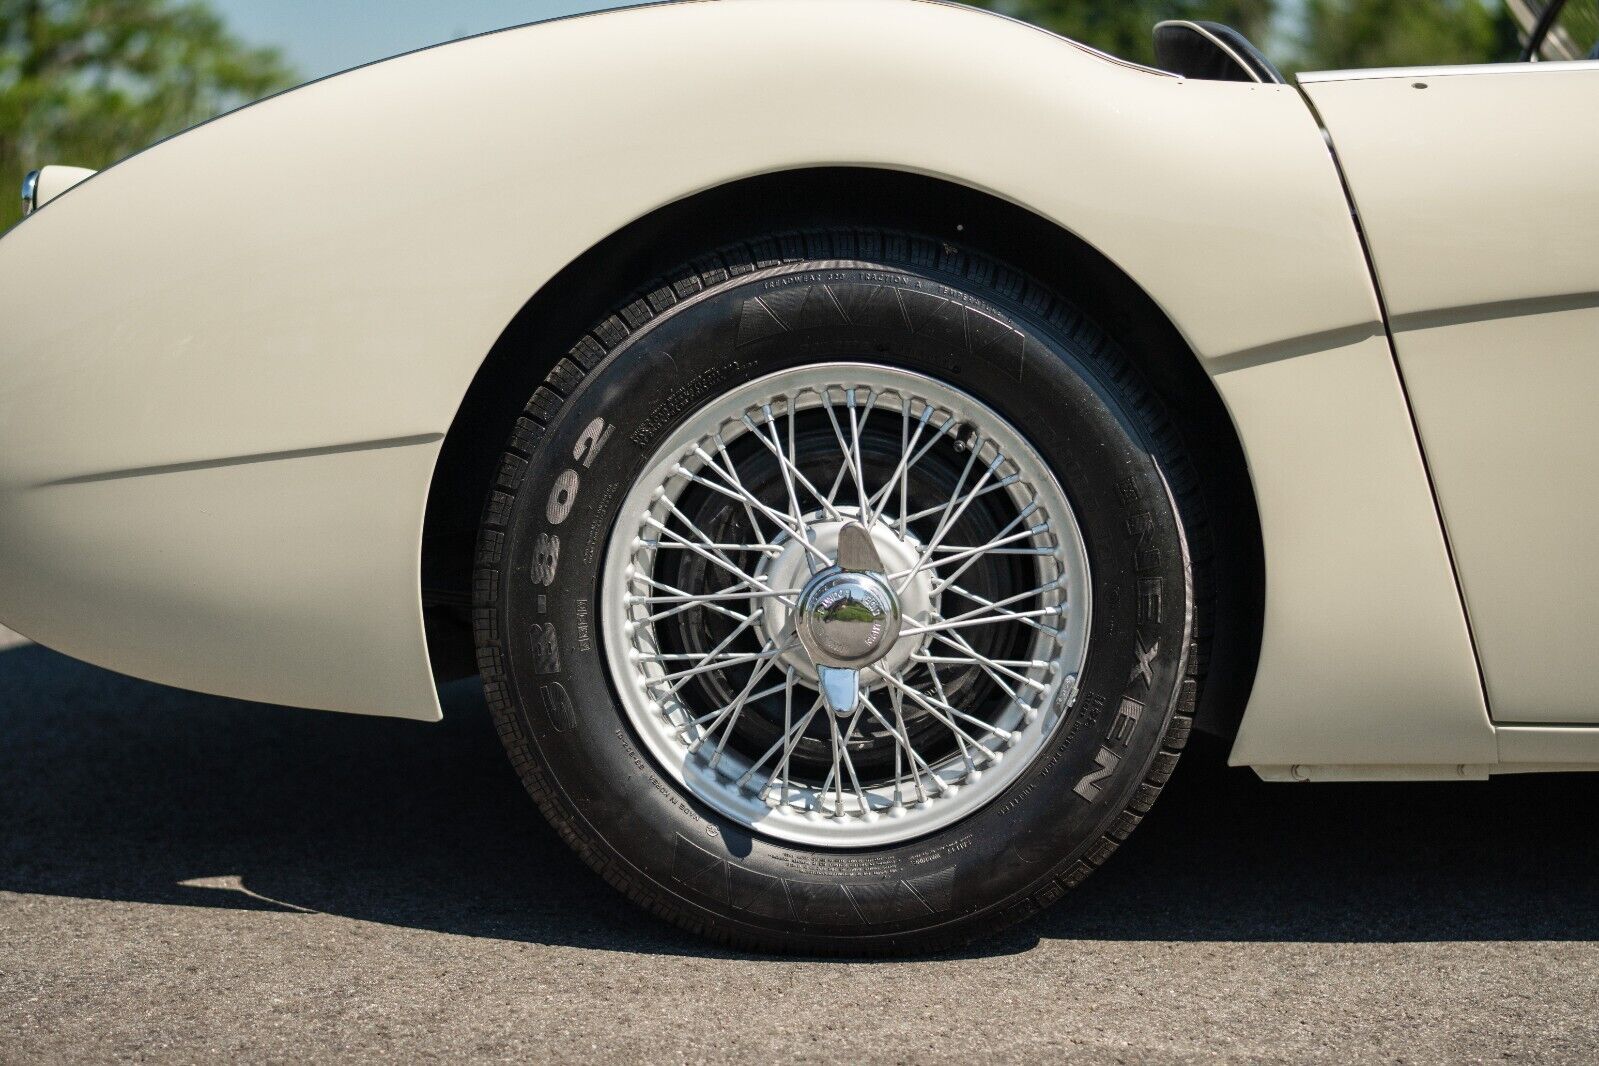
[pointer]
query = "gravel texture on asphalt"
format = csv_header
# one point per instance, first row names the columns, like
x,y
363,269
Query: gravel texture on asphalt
x,y
184,877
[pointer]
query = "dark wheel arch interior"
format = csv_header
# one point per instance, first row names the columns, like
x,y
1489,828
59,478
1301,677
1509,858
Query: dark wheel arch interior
x,y
586,289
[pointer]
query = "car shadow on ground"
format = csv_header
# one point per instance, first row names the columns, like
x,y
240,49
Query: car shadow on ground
x,y
120,790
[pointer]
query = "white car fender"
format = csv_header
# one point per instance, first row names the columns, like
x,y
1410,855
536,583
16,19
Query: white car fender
x,y
228,362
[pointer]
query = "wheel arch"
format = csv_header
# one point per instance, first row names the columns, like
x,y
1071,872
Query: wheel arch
x,y
608,273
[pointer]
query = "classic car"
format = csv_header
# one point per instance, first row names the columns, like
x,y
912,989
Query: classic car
x,y
855,442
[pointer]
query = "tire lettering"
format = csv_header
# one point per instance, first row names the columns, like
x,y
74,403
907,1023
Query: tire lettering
x,y
1127,715
1141,668
546,649
582,619
592,442
1089,786
1150,590
1146,553
546,559
559,706
562,497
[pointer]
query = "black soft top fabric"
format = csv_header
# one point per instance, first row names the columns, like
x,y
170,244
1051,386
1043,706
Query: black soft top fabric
x,y
1210,51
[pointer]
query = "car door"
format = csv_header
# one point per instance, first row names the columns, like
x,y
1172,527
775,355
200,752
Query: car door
x,y
1478,192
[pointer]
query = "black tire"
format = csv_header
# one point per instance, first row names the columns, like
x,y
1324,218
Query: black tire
x,y
642,370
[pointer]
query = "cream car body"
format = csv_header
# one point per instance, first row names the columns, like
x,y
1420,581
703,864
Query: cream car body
x,y
230,361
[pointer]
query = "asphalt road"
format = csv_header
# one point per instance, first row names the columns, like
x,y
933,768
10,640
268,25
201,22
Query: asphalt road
x,y
184,877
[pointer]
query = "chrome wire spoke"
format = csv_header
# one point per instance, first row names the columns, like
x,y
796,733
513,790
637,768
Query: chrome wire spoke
x,y
682,677
903,736
735,490
990,668
952,516
1029,622
718,712
964,550
855,429
879,500
687,657
942,711
755,526
720,662
732,711
902,743
996,486
999,540
773,508
954,638
690,605
719,649
987,606
687,601
783,468
790,740
789,729
851,458
789,470
993,667
788,466
764,549
715,557
841,758
909,464
960,737
975,553
798,534
790,457
1000,618
677,595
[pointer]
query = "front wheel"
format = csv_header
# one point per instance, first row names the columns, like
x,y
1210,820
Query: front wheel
x,y
836,601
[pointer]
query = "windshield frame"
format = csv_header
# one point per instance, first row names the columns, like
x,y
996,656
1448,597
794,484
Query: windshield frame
x,y
1546,40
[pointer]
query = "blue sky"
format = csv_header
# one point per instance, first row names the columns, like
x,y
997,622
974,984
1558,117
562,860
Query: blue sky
x,y
323,36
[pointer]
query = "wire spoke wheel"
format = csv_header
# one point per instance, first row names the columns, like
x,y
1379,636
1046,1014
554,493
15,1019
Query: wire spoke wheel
x,y
831,703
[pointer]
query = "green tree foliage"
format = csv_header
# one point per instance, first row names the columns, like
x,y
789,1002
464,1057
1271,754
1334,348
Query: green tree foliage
x,y
1125,27
87,82
1350,34
1297,34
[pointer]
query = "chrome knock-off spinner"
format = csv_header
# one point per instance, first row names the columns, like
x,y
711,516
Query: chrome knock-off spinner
x,y
847,618
794,567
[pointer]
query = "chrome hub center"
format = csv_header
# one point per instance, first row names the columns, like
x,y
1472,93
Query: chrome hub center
x,y
792,568
847,620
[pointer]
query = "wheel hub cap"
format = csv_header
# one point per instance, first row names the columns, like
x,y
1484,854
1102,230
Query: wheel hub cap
x,y
847,620
889,651
846,617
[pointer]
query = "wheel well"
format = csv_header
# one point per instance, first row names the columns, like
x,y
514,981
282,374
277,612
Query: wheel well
x,y
595,283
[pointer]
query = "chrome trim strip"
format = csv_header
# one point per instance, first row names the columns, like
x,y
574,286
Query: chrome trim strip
x,y
243,460
30,193
1320,76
